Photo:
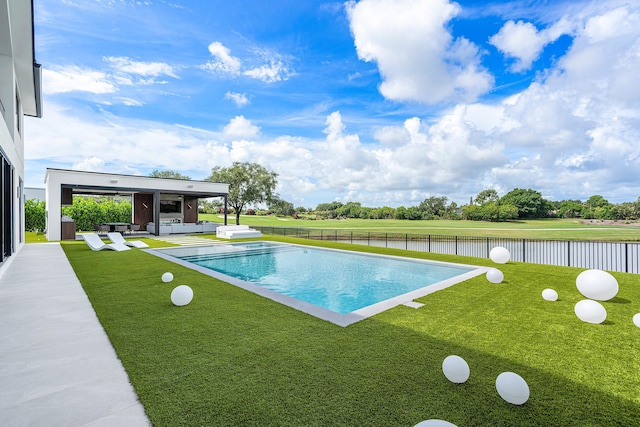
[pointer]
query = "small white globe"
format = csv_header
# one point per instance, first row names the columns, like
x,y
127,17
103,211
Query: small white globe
x,y
512,388
456,369
590,311
495,276
550,295
435,423
181,295
636,320
167,277
597,284
499,255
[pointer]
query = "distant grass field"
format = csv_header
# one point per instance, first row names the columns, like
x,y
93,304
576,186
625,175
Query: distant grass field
x,y
553,229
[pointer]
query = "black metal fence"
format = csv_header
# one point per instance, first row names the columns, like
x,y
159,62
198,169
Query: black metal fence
x,y
612,256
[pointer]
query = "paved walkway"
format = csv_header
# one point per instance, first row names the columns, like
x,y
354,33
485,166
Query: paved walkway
x,y
57,366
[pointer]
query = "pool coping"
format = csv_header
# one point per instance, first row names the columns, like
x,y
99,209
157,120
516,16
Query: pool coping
x,y
323,313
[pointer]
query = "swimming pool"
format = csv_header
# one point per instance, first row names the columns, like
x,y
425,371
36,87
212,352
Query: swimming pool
x,y
339,286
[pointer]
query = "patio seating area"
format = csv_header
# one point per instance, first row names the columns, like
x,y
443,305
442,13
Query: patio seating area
x,y
59,367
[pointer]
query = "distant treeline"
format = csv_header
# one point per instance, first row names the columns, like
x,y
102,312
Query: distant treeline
x,y
486,206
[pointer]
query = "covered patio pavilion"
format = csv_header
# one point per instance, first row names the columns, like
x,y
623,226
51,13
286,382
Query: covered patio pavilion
x,y
154,200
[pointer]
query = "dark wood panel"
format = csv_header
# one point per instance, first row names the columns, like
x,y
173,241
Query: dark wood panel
x,y
190,209
142,209
66,198
68,230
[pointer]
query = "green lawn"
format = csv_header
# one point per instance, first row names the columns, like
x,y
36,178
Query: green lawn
x,y
231,358
557,229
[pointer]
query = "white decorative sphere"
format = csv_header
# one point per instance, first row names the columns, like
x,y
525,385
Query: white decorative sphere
x,y
495,276
512,388
456,369
435,423
499,255
181,295
597,284
590,311
167,277
636,320
550,295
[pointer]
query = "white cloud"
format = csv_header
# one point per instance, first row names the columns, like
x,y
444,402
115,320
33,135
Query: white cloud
x,y
522,41
417,56
239,127
92,164
129,66
223,62
274,71
130,102
240,99
73,78
272,68
123,72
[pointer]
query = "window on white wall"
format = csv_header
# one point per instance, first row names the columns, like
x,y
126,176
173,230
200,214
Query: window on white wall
x,y
18,112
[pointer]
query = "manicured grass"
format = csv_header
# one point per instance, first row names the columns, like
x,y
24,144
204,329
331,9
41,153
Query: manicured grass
x,y
231,358
33,237
556,229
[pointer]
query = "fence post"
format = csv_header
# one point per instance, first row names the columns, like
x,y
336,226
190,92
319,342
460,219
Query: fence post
x,y
386,240
406,241
336,239
321,236
369,239
456,245
352,237
429,240
524,250
626,257
568,253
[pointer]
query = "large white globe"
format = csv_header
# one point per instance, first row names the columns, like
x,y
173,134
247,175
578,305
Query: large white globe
x,y
550,295
499,255
495,276
435,423
590,311
456,369
181,295
512,388
597,284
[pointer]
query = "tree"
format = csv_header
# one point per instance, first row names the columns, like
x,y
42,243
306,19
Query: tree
x,y
433,207
350,210
249,183
529,202
596,207
485,196
281,207
168,174
569,209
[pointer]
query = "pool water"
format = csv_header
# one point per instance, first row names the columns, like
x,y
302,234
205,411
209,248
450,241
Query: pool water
x,y
340,281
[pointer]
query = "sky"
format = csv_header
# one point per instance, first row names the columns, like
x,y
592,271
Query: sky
x,y
382,102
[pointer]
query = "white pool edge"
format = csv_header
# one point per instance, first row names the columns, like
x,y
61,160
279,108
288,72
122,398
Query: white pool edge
x,y
328,315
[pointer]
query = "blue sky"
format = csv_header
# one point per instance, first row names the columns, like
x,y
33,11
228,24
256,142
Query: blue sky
x,y
385,102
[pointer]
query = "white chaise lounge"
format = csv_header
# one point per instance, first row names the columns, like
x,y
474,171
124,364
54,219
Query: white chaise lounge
x,y
236,232
117,239
96,244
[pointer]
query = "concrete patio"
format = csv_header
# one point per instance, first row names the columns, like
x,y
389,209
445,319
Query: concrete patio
x,y
57,366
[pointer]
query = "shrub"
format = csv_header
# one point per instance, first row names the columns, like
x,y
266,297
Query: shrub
x,y
34,215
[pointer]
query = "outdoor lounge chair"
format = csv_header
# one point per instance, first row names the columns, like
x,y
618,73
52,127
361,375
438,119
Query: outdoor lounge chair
x,y
117,239
96,244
